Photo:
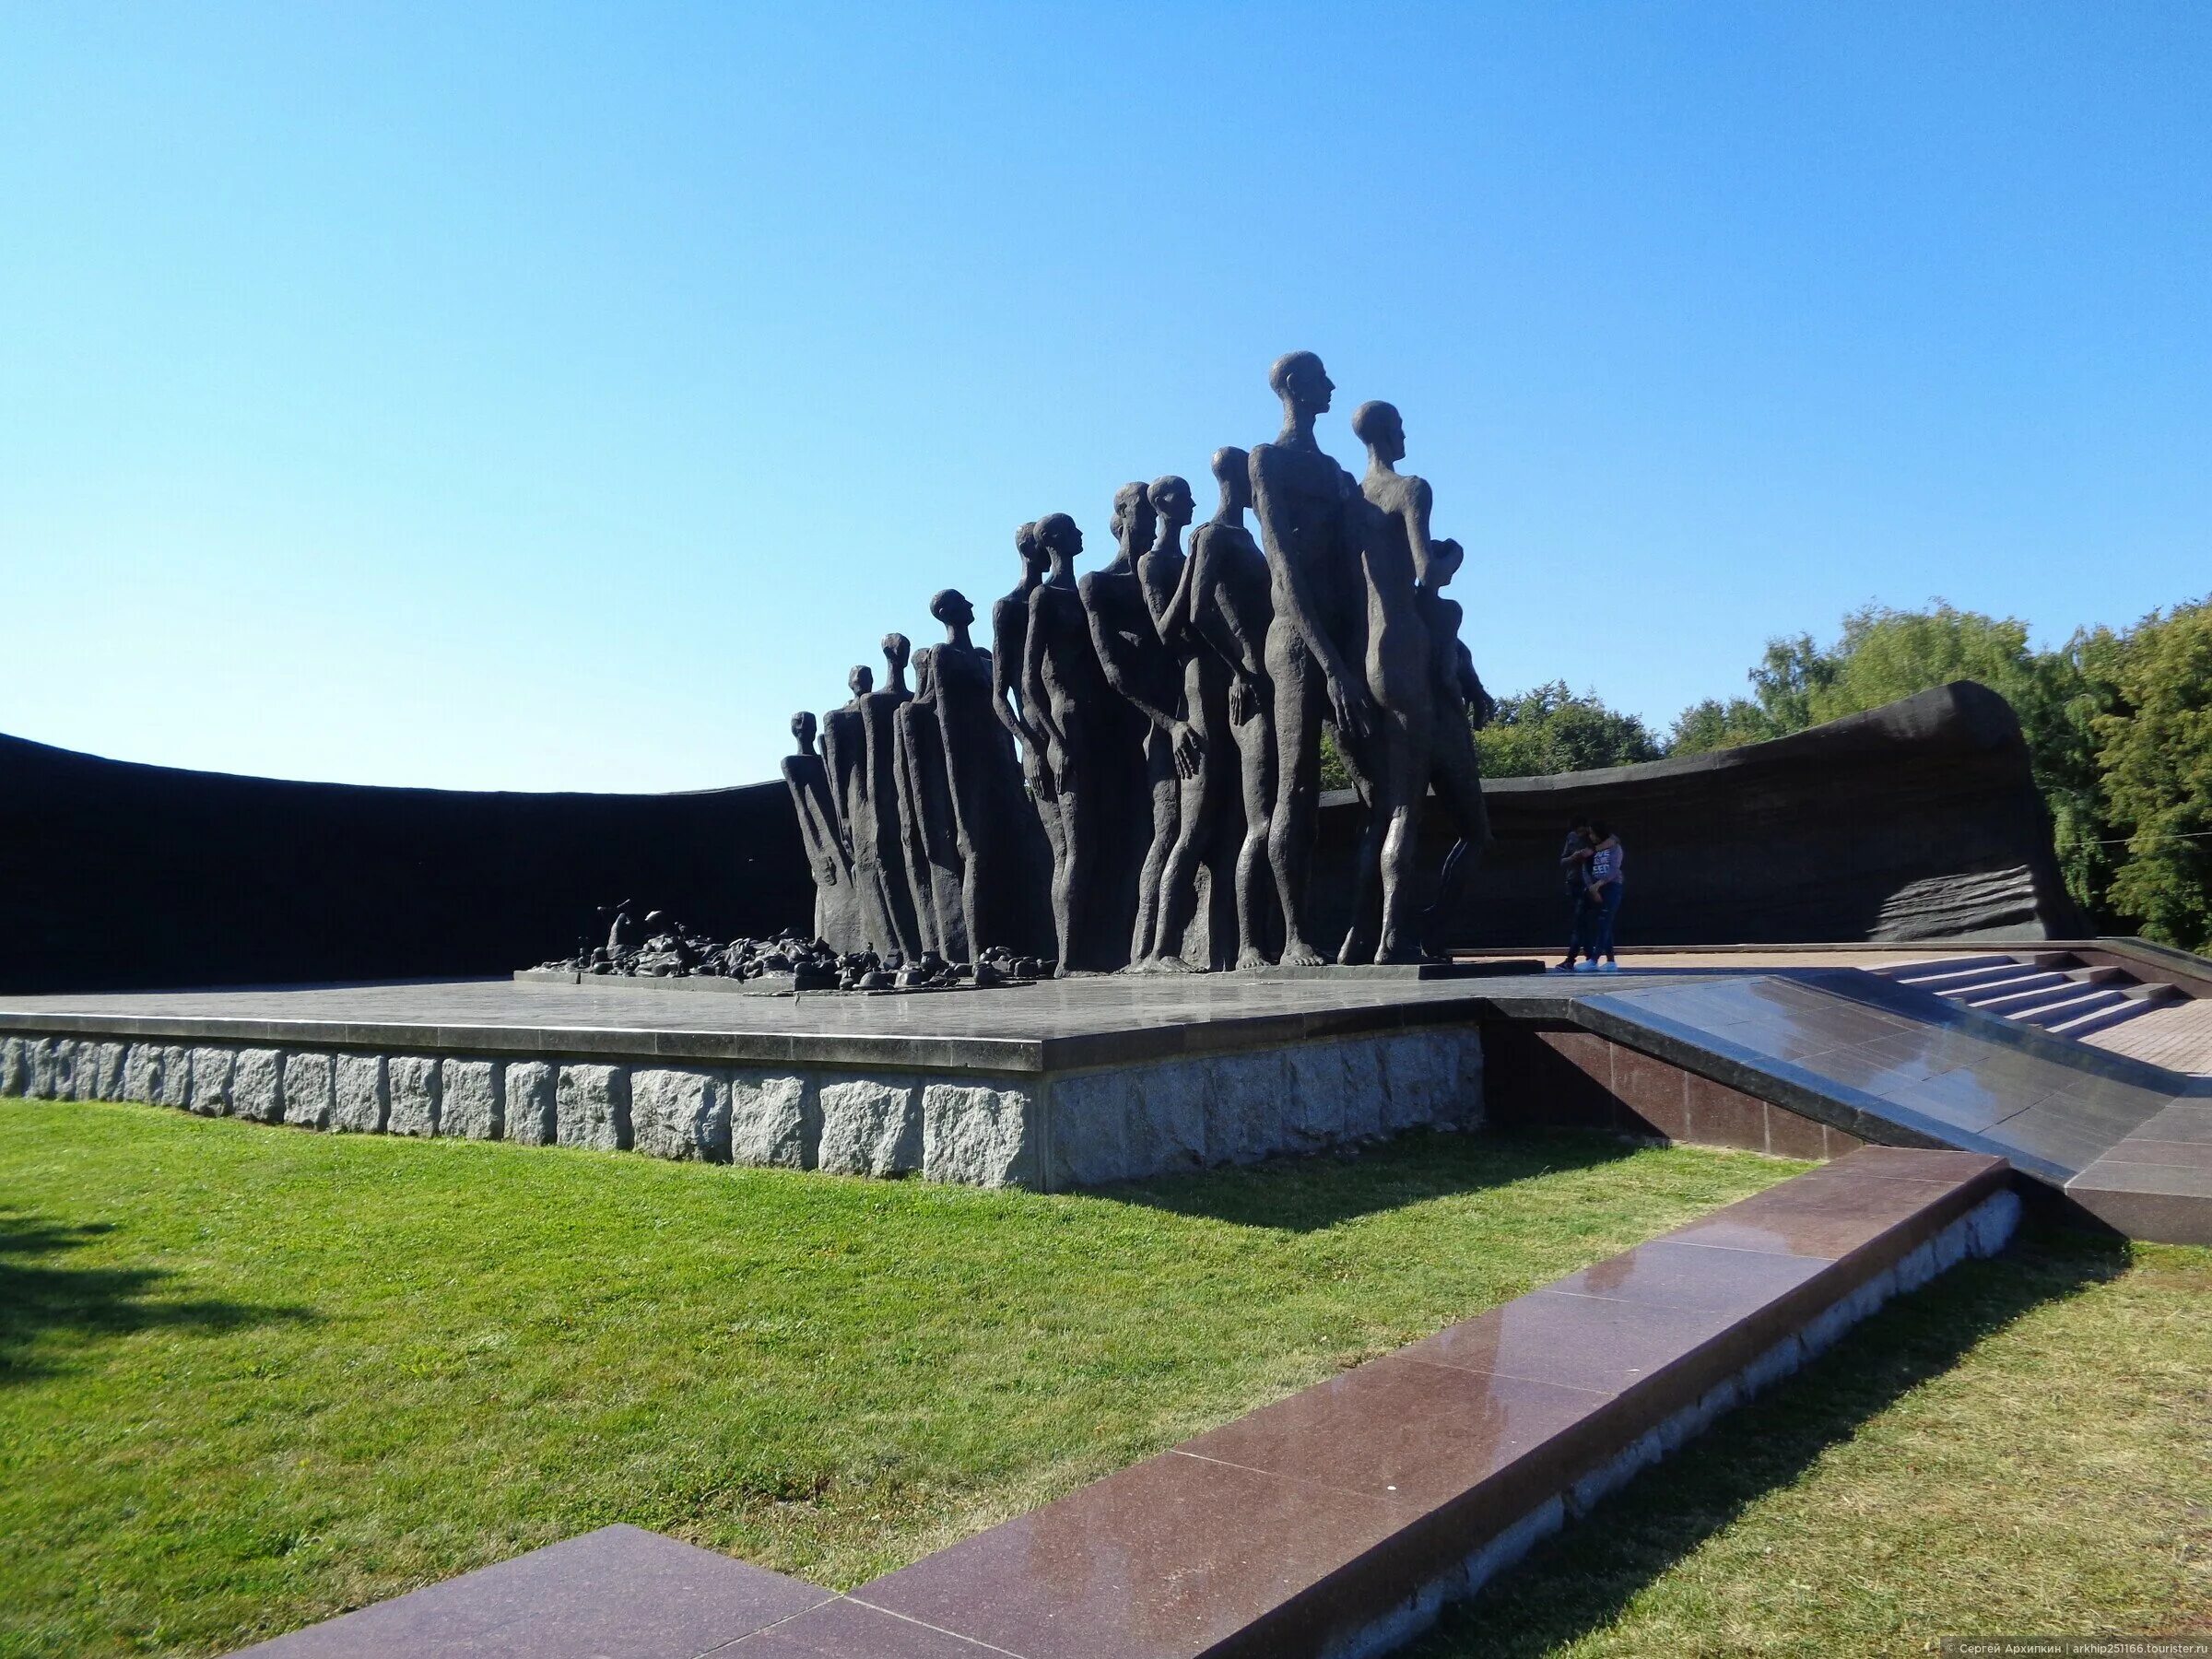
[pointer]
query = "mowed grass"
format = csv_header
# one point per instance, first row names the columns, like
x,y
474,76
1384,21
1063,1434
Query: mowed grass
x,y
2022,1449
251,1377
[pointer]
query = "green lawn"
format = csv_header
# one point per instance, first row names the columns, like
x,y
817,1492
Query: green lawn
x,y
2022,1449
250,1377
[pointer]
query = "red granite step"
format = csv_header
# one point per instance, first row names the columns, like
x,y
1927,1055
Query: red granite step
x,y
1339,1519
619,1593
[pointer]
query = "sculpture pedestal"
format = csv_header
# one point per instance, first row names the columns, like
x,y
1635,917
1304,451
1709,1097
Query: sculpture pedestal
x,y
1053,1085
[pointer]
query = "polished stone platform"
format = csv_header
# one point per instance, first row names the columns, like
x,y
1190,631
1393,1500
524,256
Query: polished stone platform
x,y
1054,1026
1074,1083
1336,1522
1068,1084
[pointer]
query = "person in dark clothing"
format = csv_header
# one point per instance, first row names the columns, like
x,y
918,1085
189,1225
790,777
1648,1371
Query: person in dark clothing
x,y
1574,881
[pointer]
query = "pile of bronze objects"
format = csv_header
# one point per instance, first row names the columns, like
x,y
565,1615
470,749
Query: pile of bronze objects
x,y
662,948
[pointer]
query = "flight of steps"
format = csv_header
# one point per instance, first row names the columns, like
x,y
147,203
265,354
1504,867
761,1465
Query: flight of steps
x,y
2049,988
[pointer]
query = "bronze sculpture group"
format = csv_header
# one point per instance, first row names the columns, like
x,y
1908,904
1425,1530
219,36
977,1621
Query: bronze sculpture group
x,y
1131,779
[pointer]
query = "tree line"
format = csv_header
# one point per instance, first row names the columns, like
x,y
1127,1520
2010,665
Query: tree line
x,y
2118,723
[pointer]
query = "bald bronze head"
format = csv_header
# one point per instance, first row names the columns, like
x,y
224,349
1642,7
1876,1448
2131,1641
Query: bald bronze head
x,y
1058,537
1170,497
1301,382
1379,425
1134,520
1233,472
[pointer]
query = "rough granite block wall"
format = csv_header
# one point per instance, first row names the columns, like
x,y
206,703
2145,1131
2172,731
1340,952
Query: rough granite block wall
x,y
871,1126
142,1073
411,1094
211,1080
110,1072
309,1094
358,1094
681,1113
591,1106
979,1137
53,1063
471,1098
776,1122
173,1075
1078,1129
84,1072
530,1101
257,1085
1131,1121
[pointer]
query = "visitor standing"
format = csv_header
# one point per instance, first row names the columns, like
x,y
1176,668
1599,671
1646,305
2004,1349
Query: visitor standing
x,y
1574,882
1606,887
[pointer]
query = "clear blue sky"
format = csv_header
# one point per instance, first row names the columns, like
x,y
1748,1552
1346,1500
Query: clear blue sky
x,y
550,396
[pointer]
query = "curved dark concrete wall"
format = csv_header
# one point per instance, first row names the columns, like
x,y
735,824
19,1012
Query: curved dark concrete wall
x,y
118,875
1915,821
1919,819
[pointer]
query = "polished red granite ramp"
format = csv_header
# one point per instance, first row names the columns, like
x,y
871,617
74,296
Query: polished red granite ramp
x,y
1334,1523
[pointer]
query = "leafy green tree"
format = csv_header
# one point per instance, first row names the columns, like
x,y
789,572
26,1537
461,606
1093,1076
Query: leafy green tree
x,y
1791,680
1792,675
1713,724
2154,751
1537,732
1550,729
1884,654
1333,772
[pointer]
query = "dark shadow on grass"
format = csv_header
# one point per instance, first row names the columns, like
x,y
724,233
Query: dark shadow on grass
x,y
41,1296
1582,1580
1304,1195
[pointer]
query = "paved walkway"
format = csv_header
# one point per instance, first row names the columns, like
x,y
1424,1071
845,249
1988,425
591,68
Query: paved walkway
x,y
2178,1038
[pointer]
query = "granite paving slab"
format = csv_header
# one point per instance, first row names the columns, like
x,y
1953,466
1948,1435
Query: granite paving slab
x,y
2156,1183
846,1630
619,1593
1048,1027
